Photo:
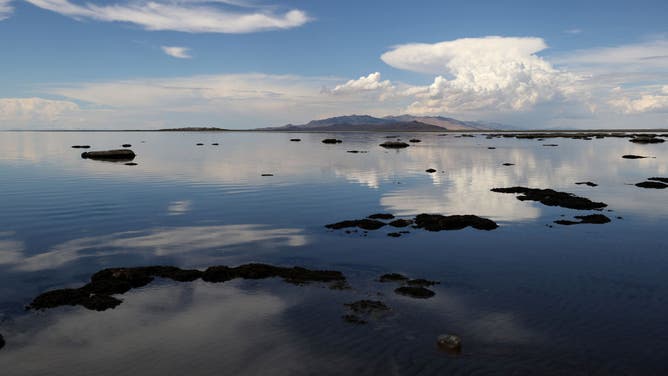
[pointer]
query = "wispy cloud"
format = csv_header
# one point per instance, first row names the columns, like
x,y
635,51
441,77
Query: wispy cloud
x,y
177,52
34,109
5,9
213,16
574,31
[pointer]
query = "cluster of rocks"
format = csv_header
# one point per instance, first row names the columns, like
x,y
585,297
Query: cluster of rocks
x,y
429,222
654,183
551,197
598,219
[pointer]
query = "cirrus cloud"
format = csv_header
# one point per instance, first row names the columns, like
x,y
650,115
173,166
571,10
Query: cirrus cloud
x,y
180,15
5,9
177,52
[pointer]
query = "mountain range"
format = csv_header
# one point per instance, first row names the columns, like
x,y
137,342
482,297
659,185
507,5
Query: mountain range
x,y
390,124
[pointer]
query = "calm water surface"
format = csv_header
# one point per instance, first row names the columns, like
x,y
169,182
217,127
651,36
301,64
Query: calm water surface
x,y
526,298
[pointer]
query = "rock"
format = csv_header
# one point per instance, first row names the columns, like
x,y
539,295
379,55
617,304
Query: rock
x,y
587,183
414,140
663,180
130,164
430,170
401,223
652,184
267,174
491,148
127,145
80,146
437,222
394,234
2,342
365,224
215,144
593,219
415,292
96,295
508,164
450,343
200,144
110,155
631,156
381,216
550,145
551,197
392,277
331,141
295,139
646,139
394,145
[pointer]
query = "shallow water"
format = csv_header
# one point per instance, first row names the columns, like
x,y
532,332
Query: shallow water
x,y
526,298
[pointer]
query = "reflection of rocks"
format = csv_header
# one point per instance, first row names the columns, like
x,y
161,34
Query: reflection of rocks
x,y
551,197
96,295
415,292
593,219
394,145
111,155
363,310
450,343
437,222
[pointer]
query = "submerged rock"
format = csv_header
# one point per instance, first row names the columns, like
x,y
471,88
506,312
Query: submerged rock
x,y
421,282
450,343
392,277
592,218
437,222
111,155
587,183
394,145
652,185
331,141
416,292
367,306
365,224
96,295
551,197
631,156
381,216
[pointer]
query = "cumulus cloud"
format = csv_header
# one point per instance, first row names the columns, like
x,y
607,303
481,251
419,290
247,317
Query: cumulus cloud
x,y
180,15
177,52
656,101
34,109
491,73
370,83
5,9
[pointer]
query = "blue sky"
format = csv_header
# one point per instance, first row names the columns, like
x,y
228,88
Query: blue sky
x,y
246,63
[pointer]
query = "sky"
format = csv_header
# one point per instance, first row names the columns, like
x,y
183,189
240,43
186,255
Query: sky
x,y
237,64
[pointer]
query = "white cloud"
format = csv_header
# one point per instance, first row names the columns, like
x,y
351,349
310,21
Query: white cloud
x,y
177,52
636,57
5,9
34,109
372,82
574,31
476,74
180,15
656,101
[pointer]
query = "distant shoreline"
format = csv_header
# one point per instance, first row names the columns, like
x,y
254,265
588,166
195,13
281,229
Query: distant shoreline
x,y
658,130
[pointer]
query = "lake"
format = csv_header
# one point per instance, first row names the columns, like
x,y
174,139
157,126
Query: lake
x,y
529,297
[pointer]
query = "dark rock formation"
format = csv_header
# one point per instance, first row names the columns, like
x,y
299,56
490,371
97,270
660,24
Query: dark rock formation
x,y
587,183
551,197
394,145
647,139
414,140
401,223
80,146
331,141
652,184
593,219
295,139
430,170
110,155
437,222
508,164
365,224
127,145
631,156
96,295
663,180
